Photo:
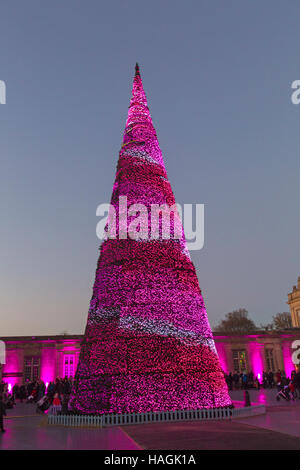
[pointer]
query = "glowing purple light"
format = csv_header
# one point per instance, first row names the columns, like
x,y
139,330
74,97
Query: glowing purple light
x,y
221,350
48,364
256,356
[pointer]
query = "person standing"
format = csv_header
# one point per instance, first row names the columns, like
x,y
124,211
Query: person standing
x,y
278,377
2,413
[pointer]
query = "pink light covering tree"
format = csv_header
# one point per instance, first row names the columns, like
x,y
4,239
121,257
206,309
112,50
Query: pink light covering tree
x,y
148,345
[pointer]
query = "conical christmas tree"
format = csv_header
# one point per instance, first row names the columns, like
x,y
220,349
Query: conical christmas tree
x,y
148,345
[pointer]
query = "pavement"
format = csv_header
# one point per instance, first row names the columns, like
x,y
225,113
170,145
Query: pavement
x,y
279,428
26,430
210,435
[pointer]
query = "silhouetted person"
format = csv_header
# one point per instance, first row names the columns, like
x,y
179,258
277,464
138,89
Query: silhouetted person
x,y
2,413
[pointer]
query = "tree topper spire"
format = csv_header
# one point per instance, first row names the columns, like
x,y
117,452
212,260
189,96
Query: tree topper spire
x,y
137,69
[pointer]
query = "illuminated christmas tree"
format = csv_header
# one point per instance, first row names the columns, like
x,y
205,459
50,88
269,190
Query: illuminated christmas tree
x,y
148,345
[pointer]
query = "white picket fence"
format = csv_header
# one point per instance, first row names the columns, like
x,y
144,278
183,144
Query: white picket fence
x,y
154,417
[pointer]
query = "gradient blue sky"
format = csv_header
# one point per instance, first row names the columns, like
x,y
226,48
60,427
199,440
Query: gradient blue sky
x,y
217,76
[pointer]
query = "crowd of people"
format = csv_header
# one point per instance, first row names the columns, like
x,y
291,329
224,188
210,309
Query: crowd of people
x,y
238,381
53,397
245,381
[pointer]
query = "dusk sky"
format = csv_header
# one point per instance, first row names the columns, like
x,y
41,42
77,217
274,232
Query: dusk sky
x,y
218,80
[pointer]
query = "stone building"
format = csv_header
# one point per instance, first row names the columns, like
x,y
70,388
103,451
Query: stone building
x,y
258,351
294,304
40,357
47,357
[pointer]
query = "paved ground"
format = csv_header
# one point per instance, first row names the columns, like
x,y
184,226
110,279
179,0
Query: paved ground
x,y
278,429
210,435
26,430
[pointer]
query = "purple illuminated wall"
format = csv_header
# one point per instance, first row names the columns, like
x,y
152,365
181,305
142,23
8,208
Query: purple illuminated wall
x,y
148,344
256,350
13,366
48,364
